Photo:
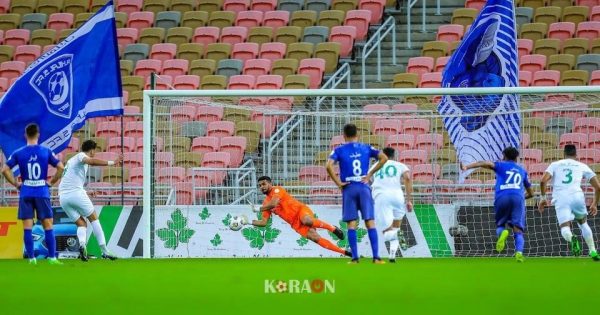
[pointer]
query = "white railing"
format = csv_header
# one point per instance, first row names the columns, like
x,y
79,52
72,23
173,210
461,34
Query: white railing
x,y
374,43
280,137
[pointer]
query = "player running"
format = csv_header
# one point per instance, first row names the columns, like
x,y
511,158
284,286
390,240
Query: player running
x,y
32,161
390,204
354,159
297,214
509,204
568,198
75,201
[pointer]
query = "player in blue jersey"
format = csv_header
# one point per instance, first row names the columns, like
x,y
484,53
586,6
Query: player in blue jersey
x,y
34,197
509,204
354,159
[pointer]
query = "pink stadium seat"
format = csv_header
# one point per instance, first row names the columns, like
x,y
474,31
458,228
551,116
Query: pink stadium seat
x,y
314,68
561,30
530,156
114,144
73,145
145,67
241,82
595,77
102,191
420,65
413,157
163,52
184,192
574,109
205,144
4,6
450,32
252,101
587,125
108,129
220,129
183,113
431,80
404,107
236,5
27,53
171,174
336,141
127,36
546,78
426,172
589,30
313,173
269,82
209,113
129,6
537,170
415,126
60,21
281,102
375,6
475,4
47,48
272,51
595,14
594,141
163,159
216,159
186,82
429,142
268,122
200,177
249,19
16,37
344,35
244,51
276,19
134,129
3,84
588,156
359,19
162,82
159,143
532,63
440,64
376,108
525,78
132,160
108,156
525,46
387,127
132,113
140,20
576,138
175,67
324,193
233,34
235,146
263,5
256,67
206,35
525,140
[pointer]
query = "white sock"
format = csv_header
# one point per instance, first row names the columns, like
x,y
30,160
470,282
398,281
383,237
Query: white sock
x,y
82,235
566,233
586,232
392,237
99,233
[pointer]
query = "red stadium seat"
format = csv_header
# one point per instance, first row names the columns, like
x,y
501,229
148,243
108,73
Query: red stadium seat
x,y
108,129
145,67
404,107
4,6
241,82
186,82
561,30
134,129
379,108
235,146
206,35
314,68
233,35
576,138
589,30
27,53
595,14
159,143
162,82
60,21
420,65
171,174
595,77
594,141
440,64
216,159
220,129
183,113
387,127
108,156
587,125
73,145
132,160
272,51
431,80
311,174
475,4
525,78
16,37
114,144
175,67
532,63
249,19
184,192
276,19
450,32
129,6
256,67
127,36
375,6
525,140
546,78
413,157
429,142
205,144
236,5
536,171
336,141
426,172
163,52
525,46
361,20
209,113
588,156
244,51
344,35
140,20
415,126
3,84
163,159
269,82
530,156
324,193
263,5
281,102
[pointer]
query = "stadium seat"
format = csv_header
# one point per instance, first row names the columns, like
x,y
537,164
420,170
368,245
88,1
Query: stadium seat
x,y
27,53
269,82
293,82
331,18
221,19
547,47
344,5
206,35
34,21
220,129
167,19
559,125
171,174
413,157
587,125
425,172
440,64
578,139
360,19
11,69
145,67
233,35
535,4
595,15
141,20
531,156
299,51
575,46
288,34
175,67
9,21
203,67
182,113
245,51
387,127
450,32
179,35
206,144
249,19
344,35
547,14
263,5
429,142
434,49
127,36
595,78
336,141
464,16
324,193
400,142
218,51
315,34
375,7
330,52
561,62
229,67
16,37
525,78
60,21
314,68
533,31
523,15
525,46
303,18
129,6
588,156
284,67
260,35
194,19
114,144
241,82
108,129
161,82
594,141
190,51
420,65
405,80
210,5
213,82
532,63
291,5
589,30
235,146
276,19
590,62
415,126
546,78
256,67
152,35
431,80
575,14
574,78
236,6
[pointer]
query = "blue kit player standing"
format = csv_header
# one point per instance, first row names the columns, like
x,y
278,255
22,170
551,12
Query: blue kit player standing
x,y
34,197
509,205
354,159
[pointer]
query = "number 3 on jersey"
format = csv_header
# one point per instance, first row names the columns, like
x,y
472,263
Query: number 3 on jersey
x,y
568,176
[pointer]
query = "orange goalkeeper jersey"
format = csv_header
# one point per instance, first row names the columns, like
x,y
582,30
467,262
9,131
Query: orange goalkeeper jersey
x,y
288,207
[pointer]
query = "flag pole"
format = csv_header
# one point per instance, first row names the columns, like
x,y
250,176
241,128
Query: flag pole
x,y
122,164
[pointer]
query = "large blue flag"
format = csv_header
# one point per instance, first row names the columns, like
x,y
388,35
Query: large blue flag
x,y
481,127
76,80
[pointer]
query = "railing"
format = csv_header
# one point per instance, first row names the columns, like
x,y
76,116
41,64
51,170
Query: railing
x,y
344,72
374,43
281,137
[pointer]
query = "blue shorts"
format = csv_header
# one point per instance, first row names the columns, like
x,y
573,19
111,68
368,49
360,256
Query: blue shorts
x,y
29,205
510,209
357,197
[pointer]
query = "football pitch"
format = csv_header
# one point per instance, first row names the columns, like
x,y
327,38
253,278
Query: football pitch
x,y
237,286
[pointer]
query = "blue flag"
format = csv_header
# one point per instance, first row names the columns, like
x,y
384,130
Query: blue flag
x,y
482,126
76,80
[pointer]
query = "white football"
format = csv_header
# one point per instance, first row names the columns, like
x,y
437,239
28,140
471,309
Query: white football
x,y
237,222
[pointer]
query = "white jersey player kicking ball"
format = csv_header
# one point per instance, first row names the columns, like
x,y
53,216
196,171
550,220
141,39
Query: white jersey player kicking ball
x,y
76,202
568,198
390,205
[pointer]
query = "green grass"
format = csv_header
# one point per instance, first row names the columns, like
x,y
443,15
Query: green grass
x,y
226,286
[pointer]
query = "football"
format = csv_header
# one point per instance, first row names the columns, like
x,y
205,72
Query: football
x,y
237,222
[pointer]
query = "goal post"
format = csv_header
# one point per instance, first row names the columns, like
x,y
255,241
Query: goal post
x,y
287,134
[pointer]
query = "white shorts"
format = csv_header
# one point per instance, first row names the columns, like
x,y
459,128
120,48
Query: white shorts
x,y
569,207
76,204
389,206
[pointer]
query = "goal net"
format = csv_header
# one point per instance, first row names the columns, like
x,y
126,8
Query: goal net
x,y
205,150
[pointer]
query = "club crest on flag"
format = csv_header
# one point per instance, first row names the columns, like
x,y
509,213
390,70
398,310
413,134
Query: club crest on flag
x,y
54,83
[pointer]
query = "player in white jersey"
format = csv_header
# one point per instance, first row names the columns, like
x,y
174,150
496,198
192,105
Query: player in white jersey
x,y
75,200
390,205
569,200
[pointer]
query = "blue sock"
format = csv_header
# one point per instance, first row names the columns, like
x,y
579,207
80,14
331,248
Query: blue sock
x,y
353,241
519,242
28,239
499,230
50,243
374,242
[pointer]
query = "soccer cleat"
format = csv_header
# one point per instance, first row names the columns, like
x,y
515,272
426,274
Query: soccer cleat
x,y
348,253
392,260
575,246
501,242
54,261
83,253
378,261
33,261
353,261
519,257
109,256
594,255
338,233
